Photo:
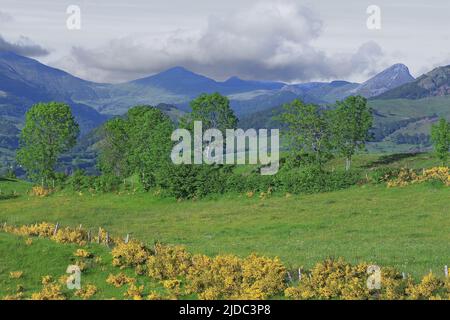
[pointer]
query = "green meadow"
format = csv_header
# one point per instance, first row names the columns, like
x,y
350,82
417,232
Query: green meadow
x,y
404,227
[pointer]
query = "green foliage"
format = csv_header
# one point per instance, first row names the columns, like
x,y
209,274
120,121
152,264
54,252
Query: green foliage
x,y
149,131
50,130
213,110
138,144
308,132
112,158
79,181
440,135
312,179
383,174
351,122
253,182
195,181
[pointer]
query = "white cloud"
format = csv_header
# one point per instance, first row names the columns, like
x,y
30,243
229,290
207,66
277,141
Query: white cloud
x,y
269,40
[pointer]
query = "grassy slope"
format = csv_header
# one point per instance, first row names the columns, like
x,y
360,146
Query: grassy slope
x,y
45,257
403,227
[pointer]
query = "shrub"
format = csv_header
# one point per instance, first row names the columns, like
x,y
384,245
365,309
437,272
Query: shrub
x,y
129,254
195,181
87,292
332,279
229,277
426,289
253,182
50,290
407,176
168,262
106,183
119,280
382,174
79,181
40,191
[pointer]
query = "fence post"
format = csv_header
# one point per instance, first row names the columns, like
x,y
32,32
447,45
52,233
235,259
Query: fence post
x,y
56,229
446,271
299,274
99,234
127,238
289,276
89,236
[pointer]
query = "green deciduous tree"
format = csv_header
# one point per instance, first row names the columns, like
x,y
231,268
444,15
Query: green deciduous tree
x,y
113,156
440,135
138,144
351,122
307,131
213,110
50,130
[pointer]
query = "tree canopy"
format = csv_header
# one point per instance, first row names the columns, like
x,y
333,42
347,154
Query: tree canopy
x,y
50,130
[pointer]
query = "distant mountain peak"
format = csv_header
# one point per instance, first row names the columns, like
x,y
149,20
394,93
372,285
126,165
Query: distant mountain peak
x,y
432,84
177,69
388,79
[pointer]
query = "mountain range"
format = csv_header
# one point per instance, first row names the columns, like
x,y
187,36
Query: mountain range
x,y
25,81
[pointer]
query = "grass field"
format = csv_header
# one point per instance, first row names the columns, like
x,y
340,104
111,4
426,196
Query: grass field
x,y
44,257
402,227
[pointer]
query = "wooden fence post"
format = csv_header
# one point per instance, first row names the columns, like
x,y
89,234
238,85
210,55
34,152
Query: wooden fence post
x,y
289,276
99,235
127,238
56,229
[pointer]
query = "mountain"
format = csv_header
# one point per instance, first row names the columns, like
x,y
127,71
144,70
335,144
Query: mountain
x,y
435,83
24,82
329,92
179,80
390,78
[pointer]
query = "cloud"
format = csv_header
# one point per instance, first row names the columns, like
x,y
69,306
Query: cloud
x,y
24,46
5,17
269,40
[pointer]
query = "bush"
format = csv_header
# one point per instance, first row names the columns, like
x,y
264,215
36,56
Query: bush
x,y
383,174
106,183
312,179
253,182
79,181
168,262
229,277
129,254
195,181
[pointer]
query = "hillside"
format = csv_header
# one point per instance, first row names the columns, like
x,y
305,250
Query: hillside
x,y
435,83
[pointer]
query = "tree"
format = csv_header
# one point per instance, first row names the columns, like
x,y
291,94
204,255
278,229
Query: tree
x,y
440,135
50,130
137,144
307,131
113,148
351,122
149,131
213,110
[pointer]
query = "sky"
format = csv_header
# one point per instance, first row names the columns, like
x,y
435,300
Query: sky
x,y
279,40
